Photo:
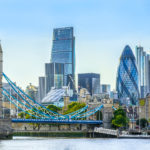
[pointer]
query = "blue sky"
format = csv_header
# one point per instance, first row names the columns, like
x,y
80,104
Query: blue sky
x,y
102,29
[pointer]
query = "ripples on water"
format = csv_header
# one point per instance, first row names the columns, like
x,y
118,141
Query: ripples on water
x,y
32,143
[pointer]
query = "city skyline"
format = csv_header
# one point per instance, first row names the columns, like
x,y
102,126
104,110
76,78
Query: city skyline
x,y
102,29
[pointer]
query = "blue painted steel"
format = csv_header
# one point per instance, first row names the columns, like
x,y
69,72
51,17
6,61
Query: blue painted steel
x,y
78,111
34,108
74,115
16,99
20,107
57,121
114,108
11,83
90,112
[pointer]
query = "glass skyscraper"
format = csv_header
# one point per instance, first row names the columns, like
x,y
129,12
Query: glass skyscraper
x,y
63,51
90,81
127,78
41,89
143,66
54,73
105,88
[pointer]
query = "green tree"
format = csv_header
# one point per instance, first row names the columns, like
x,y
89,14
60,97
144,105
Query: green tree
x,y
143,122
54,108
120,119
29,115
74,106
99,115
22,114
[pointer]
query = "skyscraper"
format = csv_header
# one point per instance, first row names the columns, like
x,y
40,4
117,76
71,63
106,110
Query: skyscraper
x,y
105,88
54,73
143,66
63,50
127,78
41,89
90,81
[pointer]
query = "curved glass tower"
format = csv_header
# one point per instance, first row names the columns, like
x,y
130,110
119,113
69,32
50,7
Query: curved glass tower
x,y
127,78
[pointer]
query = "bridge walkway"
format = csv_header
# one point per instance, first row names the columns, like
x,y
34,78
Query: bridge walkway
x,y
106,131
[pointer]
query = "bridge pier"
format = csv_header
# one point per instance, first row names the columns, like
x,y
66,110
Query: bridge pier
x,y
5,124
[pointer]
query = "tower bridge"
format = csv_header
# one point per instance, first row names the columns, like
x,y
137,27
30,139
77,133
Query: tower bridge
x,y
38,113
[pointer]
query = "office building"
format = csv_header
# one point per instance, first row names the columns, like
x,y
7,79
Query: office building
x,y
54,76
90,81
105,88
127,78
42,88
63,51
143,66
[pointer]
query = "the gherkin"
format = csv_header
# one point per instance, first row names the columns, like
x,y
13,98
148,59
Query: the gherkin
x,y
127,78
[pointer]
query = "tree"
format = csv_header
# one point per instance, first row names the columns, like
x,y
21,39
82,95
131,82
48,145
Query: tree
x,y
99,115
54,108
120,119
142,122
22,114
74,106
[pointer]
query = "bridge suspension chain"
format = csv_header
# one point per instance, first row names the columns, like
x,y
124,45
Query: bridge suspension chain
x,y
26,103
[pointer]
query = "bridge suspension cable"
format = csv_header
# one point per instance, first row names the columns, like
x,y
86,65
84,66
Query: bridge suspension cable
x,y
25,103
50,112
19,107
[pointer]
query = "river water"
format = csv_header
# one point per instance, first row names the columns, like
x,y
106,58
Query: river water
x,y
35,143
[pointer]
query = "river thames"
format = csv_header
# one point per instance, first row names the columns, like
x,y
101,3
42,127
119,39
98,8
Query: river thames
x,y
40,143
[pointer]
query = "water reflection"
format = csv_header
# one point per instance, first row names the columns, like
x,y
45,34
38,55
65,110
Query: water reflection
x,y
32,143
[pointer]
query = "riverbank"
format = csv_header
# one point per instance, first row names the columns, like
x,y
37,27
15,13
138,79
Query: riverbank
x,y
75,134
50,133
5,136
70,134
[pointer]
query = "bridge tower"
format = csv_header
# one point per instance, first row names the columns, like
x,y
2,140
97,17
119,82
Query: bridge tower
x,y
5,123
107,112
1,70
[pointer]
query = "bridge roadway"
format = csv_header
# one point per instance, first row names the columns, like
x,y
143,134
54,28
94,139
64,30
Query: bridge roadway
x,y
56,121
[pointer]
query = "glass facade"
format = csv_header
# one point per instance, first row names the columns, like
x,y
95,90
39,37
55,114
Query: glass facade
x,y
63,50
55,95
90,81
127,78
41,90
54,73
105,88
143,66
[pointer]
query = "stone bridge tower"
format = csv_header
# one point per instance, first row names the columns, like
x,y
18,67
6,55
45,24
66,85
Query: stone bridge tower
x,y
5,123
107,112
1,70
